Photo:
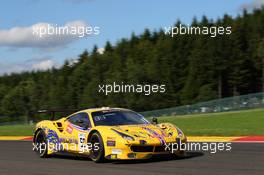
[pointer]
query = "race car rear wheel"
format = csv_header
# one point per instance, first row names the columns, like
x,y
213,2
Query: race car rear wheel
x,y
40,144
180,154
97,152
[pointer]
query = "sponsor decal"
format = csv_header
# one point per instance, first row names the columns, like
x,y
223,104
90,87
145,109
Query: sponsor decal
x,y
111,138
68,140
155,135
111,143
116,151
69,129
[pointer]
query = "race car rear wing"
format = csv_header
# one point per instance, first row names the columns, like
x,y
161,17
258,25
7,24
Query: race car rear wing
x,y
53,112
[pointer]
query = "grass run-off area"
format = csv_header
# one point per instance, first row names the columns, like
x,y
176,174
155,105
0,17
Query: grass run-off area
x,y
16,130
237,123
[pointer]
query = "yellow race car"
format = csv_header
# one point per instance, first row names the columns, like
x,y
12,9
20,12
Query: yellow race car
x,y
107,133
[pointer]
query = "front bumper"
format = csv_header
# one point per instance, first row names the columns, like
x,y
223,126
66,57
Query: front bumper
x,y
137,151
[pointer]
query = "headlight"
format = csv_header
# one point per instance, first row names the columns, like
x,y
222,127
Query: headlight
x,y
125,136
180,133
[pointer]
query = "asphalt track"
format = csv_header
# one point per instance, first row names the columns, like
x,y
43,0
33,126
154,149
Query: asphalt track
x,y
17,158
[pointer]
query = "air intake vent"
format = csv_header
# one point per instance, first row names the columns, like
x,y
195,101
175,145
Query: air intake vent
x,y
59,124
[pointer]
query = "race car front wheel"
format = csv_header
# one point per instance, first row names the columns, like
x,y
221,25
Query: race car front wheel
x,y
40,144
97,152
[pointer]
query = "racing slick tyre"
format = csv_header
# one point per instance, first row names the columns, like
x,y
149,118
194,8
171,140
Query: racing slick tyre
x,y
97,152
40,144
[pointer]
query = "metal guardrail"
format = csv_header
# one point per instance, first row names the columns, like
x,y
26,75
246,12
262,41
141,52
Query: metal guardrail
x,y
249,101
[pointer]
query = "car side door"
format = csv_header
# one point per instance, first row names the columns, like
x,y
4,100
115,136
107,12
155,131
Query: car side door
x,y
78,126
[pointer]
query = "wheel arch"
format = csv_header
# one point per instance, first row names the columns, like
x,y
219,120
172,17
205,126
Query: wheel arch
x,y
39,129
91,133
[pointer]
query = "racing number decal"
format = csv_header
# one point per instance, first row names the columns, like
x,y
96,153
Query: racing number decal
x,y
81,138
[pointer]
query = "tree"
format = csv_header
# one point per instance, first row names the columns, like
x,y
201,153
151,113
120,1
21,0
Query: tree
x,y
260,53
194,68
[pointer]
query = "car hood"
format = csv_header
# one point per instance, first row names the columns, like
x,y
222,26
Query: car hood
x,y
147,131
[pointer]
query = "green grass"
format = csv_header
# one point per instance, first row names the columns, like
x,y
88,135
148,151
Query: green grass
x,y
238,123
16,130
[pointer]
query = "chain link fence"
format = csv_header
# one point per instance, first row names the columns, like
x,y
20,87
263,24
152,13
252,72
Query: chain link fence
x,y
220,105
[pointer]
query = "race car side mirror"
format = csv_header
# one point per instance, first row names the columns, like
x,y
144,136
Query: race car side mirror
x,y
154,120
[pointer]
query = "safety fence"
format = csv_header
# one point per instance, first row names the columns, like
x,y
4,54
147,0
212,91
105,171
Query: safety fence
x,y
249,101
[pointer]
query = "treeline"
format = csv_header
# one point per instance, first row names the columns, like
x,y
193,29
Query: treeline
x,y
193,67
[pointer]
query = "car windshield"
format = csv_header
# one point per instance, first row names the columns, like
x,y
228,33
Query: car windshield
x,y
112,118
